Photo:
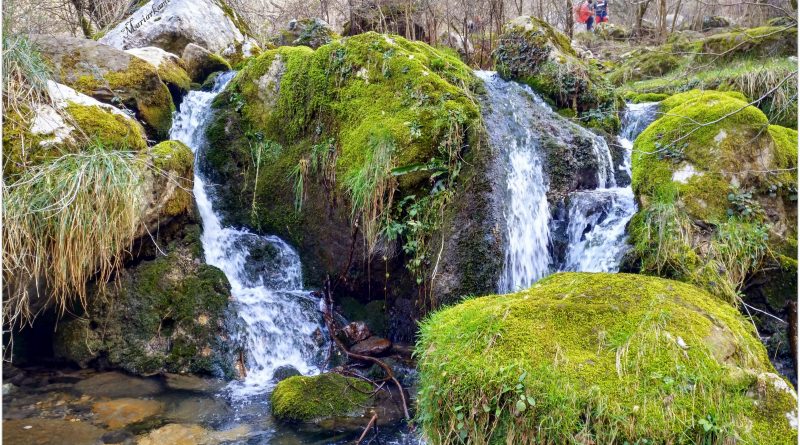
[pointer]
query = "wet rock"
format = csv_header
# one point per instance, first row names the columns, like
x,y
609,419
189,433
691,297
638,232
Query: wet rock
x,y
118,413
49,432
120,436
373,347
174,24
198,409
284,372
354,332
118,385
200,62
186,382
191,434
169,315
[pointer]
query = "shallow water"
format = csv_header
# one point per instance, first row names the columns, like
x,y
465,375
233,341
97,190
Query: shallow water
x,y
85,407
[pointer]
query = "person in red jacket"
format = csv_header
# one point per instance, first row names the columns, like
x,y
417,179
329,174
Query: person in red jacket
x,y
584,13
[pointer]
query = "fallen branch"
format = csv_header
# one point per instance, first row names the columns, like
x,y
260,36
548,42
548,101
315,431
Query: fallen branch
x,y
331,325
367,428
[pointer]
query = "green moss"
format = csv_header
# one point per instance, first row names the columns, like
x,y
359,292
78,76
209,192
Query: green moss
x,y
303,399
602,358
716,187
140,87
175,77
533,52
109,129
678,140
175,159
362,94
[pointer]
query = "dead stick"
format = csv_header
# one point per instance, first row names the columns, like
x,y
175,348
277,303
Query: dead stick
x,y
369,425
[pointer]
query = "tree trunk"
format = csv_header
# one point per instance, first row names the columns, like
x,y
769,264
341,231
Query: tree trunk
x,y
570,23
662,20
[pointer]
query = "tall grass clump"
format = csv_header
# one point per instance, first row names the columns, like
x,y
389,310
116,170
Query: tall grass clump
x,y
65,222
371,188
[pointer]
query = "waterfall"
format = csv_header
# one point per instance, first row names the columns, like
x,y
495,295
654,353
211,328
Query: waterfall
x,y
509,120
516,119
597,218
265,273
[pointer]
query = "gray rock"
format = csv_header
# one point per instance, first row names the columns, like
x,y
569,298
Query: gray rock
x,y
200,62
174,24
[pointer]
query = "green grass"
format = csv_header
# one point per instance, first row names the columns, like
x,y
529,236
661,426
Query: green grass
x,y
65,222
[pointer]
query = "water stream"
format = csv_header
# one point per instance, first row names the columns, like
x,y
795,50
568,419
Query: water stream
x,y
596,219
280,318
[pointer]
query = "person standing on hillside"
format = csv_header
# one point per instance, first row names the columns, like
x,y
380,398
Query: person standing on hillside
x,y
601,11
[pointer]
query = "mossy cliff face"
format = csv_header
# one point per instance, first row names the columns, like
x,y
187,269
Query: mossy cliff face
x,y
171,70
599,358
753,61
169,314
717,188
111,76
533,52
355,146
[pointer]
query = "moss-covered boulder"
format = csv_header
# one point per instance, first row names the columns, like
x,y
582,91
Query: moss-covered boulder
x,y
533,52
170,68
331,402
312,33
111,76
599,358
62,126
168,314
724,182
171,25
351,152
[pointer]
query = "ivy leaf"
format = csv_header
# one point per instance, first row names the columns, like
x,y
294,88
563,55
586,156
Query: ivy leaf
x,y
521,406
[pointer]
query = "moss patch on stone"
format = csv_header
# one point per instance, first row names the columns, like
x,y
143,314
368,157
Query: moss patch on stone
x,y
175,160
308,398
533,52
603,358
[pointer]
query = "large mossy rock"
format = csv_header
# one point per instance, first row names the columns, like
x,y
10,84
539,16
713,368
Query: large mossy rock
x,y
531,51
200,62
725,182
169,314
331,402
355,146
599,358
171,25
111,76
170,68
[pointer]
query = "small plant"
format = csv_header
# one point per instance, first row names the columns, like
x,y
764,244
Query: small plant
x,y
261,151
742,204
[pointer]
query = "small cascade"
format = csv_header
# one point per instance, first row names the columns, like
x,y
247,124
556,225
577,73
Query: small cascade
x,y
597,218
280,318
509,120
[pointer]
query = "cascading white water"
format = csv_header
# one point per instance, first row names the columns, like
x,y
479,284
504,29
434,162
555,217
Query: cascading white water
x,y
527,214
597,218
264,272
